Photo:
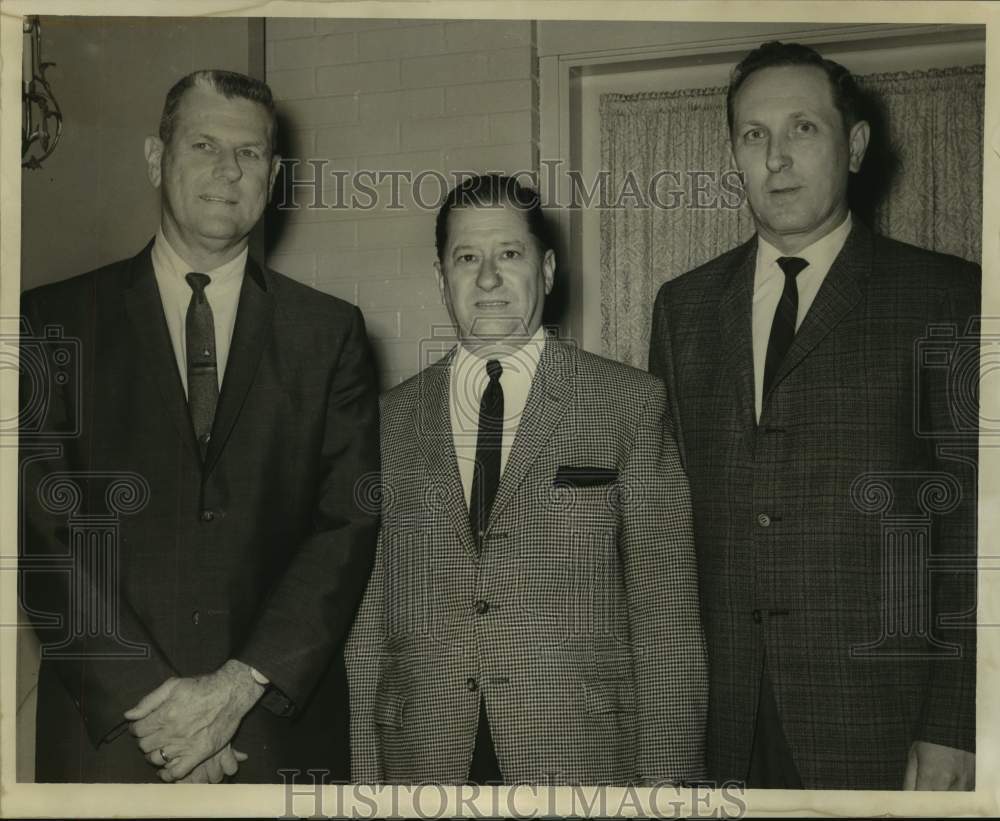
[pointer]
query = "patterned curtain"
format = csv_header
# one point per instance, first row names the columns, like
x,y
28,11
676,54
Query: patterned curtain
x,y
676,196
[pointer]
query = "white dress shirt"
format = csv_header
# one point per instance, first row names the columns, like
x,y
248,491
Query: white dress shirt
x,y
769,282
222,293
465,392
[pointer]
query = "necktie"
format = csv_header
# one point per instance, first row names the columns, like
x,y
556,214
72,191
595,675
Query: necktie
x,y
783,327
202,373
486,475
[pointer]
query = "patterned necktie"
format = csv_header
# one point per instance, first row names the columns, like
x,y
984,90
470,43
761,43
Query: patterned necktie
x,y
486,476
202,373
783,327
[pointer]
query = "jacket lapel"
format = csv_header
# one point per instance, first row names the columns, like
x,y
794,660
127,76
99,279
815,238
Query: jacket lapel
x,y
736,321
250,336
144,309
840,292
548,398
437,444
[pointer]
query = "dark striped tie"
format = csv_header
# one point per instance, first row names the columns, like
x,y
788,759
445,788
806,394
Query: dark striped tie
x,y
202,371
783,327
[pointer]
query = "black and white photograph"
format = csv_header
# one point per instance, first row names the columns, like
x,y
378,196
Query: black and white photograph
x,y
432,410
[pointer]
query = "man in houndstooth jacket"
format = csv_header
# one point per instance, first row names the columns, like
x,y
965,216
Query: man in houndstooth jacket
x,y
825,383
561,642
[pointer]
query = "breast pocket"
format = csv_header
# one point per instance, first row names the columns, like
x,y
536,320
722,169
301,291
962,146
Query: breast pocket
x,y
584,500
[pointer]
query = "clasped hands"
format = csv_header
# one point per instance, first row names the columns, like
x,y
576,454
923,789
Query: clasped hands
x,y
184,726
937,767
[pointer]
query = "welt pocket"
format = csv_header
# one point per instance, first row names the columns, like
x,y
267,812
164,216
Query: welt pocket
x,y
573,476
608,695
388,709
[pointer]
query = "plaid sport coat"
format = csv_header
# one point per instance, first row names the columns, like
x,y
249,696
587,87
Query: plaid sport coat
x,y
578,623
836,533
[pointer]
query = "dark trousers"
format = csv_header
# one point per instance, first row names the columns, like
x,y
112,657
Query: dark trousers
x,y
771,763
484,769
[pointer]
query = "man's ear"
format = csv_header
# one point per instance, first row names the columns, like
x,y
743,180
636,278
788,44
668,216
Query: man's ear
x,y
439,273
275,168
731,152
858,142
549,270
154,160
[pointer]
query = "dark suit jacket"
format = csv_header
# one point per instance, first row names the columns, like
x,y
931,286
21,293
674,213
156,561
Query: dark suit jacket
x,y
588,651
260,554
812,528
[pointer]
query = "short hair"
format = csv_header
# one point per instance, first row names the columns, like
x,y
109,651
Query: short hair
x,y
229,84
847,96
492,190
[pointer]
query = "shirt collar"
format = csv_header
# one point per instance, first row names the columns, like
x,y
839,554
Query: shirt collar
x,y
517,362
819,254
167,261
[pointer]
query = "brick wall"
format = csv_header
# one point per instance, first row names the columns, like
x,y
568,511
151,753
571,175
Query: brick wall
x,y
402,95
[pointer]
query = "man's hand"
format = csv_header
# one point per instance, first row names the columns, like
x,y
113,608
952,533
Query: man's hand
x,y
213,770
935,767
184,721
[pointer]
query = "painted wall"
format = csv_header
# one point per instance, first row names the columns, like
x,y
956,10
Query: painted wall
x,y
409,96
91,203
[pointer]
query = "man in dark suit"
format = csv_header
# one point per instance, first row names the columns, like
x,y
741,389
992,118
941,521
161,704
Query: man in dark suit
x,y
533,610
814,435
223,418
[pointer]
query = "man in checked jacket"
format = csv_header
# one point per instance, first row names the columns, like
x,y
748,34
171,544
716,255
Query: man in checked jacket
x,y
533,611
824,383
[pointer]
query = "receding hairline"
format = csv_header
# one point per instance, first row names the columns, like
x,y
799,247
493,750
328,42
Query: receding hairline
x,y
822,75
221,83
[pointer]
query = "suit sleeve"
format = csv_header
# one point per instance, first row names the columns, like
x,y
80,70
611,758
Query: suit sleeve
x,y
363,655
661,364
96,644
950,397
312,605
657,548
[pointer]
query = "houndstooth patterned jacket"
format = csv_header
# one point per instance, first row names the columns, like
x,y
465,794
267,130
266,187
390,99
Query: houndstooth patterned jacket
x,y
578,623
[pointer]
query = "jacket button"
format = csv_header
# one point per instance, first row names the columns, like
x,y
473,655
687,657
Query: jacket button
x,y
207,515
195,617
471,685
764,520
757,617
482,606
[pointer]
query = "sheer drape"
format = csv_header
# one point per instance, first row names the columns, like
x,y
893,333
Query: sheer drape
x,y
672,176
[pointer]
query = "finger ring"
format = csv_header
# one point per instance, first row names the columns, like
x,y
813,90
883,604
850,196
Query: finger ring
x,y
164,756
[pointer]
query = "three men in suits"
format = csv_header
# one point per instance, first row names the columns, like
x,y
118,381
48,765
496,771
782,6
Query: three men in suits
x,y
532,613
830,461
224,419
